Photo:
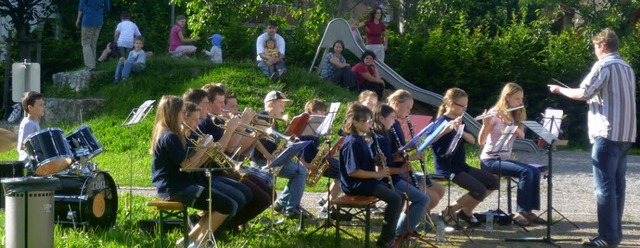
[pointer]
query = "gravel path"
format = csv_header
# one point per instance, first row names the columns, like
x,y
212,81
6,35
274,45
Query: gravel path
x,y
572,196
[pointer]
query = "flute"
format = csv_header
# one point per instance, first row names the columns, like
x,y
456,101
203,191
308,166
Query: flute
x,y
480,117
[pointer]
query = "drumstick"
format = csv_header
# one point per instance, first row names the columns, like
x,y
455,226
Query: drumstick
x,y
560,83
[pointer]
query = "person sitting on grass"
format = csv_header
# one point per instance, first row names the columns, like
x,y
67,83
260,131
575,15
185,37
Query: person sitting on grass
x,y
134,63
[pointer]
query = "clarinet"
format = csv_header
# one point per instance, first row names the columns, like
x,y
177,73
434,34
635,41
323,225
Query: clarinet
x,y
414,180
379,152
423,166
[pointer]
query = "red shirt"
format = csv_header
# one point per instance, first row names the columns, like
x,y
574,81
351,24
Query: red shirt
x,y
374,32
360,68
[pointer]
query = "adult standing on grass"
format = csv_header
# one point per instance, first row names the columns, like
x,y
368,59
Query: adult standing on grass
x,y
264,62
376,33
177,38
609,89
90,19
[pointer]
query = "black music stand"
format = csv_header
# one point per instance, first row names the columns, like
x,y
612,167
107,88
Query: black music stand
x,y
285,157
507,134
548,138
135,117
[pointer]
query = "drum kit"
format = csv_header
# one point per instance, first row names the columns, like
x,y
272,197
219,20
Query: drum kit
x,y
87,196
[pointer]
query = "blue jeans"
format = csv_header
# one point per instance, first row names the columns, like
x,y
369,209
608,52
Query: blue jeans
x,y
528,183
123,70
394,207
609,168
419,202
240,193
292,194
268,70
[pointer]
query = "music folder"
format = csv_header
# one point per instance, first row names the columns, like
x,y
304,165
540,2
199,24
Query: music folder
x,y
543,133
312,125
430,137
286,155
552,120
455,142
507,134
326,122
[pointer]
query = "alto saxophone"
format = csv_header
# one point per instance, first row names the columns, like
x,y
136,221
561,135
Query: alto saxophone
x,y
321,163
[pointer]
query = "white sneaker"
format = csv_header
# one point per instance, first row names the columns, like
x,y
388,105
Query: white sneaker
x,y
15,114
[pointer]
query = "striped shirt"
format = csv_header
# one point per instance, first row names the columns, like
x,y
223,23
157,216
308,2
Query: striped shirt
x,y
610,90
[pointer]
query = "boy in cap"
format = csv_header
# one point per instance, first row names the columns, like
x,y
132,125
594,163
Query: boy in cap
x,y
289,200
216,50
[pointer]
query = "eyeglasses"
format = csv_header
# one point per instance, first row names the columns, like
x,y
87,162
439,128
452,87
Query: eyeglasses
x,y
460,105
368,121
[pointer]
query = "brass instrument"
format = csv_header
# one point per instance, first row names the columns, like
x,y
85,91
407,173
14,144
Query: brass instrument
x,y
256,121
252,129
284,142
321,163
380,156
215,154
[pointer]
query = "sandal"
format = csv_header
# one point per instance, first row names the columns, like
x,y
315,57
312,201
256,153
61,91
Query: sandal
x,y
521,219
533,218
448,215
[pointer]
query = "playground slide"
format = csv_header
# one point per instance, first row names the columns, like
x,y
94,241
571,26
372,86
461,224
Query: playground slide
x,y
339,29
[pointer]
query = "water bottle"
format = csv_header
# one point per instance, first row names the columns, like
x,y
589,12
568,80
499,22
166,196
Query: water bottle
x,y
440,234
489,225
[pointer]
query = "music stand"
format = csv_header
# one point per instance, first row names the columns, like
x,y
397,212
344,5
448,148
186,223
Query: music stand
x,y
548,138
135,117
209,237
283,159
507,134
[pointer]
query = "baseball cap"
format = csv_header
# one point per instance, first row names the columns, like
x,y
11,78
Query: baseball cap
x,y
276,95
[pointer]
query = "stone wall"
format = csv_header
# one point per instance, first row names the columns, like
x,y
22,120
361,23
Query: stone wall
x,y
76,80
70,110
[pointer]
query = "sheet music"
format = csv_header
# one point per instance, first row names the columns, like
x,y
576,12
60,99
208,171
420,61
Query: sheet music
x,y
456,140
286,155
312,125
419,137
548,137
556,116
430,137
507,134
140,113
323,129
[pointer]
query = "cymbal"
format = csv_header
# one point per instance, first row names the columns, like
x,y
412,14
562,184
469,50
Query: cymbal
x,y
8,140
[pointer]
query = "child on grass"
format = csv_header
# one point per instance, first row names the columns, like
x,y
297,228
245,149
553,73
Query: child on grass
x,y
134,63
33,104
216,50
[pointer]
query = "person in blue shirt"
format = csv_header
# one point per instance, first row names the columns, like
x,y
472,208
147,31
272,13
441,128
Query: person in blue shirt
x,y
90,19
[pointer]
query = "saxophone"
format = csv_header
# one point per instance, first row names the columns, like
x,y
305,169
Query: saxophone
x,y
321,163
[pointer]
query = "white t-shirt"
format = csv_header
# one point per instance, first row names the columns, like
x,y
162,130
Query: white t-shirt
x,y
128,32
27,127
263,38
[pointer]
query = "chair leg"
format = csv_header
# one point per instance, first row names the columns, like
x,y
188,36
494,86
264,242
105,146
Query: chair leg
x,y
161,233
367,228
185,228
509,194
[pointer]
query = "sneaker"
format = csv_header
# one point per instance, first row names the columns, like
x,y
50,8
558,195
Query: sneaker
x,y
470,220
597,242
377,211
341,216
291,214
277,207
321,202
324,210
193,220
15,113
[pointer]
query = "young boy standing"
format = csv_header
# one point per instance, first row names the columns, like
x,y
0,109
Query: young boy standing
x,y
33,104
126,33
134,63
216,50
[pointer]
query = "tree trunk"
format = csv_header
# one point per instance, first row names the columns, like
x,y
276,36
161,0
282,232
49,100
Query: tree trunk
x,y
24,43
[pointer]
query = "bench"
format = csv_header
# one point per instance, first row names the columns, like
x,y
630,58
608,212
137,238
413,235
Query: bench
x,y
171,209
364,204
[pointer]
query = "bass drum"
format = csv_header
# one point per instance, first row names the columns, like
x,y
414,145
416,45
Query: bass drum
x,y
86,200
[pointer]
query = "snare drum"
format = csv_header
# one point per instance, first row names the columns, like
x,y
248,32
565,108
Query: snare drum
x,y
86,200
83,143
50,150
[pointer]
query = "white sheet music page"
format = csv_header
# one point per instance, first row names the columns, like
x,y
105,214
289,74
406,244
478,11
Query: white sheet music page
x,y
140,112
328,120
556,116
312,125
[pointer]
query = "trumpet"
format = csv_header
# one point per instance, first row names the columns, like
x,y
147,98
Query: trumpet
x,y
215,154
271,118
245,126
480,117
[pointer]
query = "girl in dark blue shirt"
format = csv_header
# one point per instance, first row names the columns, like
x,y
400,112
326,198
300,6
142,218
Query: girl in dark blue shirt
x,y
359,174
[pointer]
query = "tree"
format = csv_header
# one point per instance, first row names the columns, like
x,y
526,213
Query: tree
x,y
22,15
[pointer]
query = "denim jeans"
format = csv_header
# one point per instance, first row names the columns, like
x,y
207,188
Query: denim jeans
x,y
292,194
609,169
394,207
528,183
123,70
240,193
266,69
419,202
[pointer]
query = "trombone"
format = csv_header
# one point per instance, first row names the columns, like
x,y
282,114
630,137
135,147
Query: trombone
x,y
248,128
215,154
271,118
